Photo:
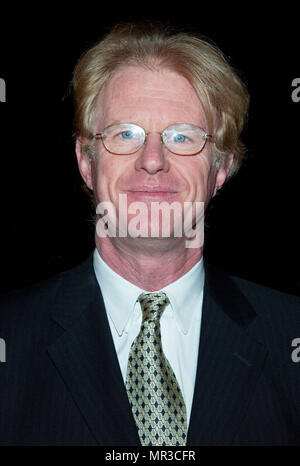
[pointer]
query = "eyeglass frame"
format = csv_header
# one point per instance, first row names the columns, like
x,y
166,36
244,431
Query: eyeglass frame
x,y
206,136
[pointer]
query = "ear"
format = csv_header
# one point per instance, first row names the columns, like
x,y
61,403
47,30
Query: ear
x,y
222,173
84,163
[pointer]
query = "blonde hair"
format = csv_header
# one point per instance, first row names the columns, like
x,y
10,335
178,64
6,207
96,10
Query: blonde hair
x,y
220,89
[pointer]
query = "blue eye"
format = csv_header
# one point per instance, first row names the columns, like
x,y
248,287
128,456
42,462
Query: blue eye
x,y
179,138
127,134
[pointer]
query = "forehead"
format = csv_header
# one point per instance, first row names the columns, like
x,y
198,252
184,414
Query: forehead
x,y
135,94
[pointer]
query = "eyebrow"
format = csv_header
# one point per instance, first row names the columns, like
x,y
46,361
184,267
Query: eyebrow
x,y
119,122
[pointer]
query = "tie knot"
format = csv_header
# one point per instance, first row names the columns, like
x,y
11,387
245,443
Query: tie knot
x,y
153,305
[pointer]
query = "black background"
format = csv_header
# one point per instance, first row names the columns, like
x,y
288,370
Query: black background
x,y
46,222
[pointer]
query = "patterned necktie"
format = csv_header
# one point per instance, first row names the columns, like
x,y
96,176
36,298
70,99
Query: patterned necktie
x,y
153,391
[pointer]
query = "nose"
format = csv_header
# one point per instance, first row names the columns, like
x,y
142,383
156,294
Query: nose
x,y
152,158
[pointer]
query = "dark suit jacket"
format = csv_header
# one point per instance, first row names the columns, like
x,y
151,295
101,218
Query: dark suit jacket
x,y
61,383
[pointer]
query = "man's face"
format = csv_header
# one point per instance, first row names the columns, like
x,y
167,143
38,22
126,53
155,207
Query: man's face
x,y
153,100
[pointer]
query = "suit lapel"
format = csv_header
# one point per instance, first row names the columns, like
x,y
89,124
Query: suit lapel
x,y
229,363
85,357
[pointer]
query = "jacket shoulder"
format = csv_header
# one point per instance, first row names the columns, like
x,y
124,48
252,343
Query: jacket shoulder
x,y
37,299
269,302
265,301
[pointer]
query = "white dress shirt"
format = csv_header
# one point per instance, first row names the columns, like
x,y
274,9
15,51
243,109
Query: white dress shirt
x,y
180,322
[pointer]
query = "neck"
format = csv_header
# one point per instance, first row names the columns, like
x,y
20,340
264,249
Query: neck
x,y
149,264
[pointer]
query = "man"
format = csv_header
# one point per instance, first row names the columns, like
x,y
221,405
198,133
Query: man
x,y
145,343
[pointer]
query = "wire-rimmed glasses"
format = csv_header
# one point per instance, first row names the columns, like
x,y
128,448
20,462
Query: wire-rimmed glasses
x,y
128,138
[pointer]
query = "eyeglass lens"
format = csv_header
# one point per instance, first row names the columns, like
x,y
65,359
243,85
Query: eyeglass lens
x,y
181,139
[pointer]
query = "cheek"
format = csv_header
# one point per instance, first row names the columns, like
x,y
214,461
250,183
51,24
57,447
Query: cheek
x,y
106,173
197,174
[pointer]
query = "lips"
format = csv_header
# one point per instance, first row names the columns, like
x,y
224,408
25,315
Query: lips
x,y
148,193
151,189
154,192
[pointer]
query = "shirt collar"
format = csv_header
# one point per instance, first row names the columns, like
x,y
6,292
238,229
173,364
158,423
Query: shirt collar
x,y
185,294
119,295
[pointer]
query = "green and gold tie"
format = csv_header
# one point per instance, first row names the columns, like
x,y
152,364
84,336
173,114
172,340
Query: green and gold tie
x,y
153,391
